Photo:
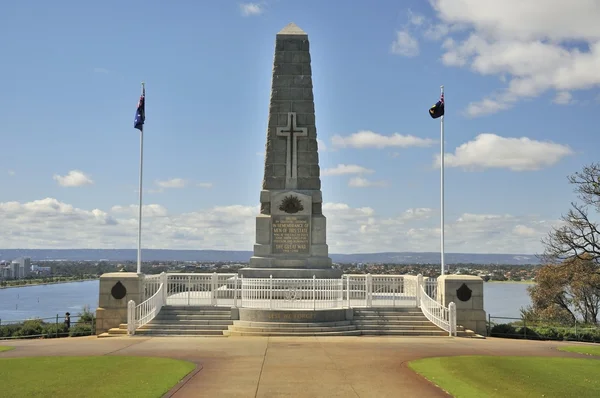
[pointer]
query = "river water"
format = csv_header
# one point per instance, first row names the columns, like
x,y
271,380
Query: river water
x,y
47,301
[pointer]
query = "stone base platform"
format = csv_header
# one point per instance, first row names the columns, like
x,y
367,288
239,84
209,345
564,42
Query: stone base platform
x,y
294,316
262,322
293,273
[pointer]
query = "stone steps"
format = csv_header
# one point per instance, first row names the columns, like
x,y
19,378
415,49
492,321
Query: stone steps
x,y
295,333
188,321
301,330
179,326
178,318
249,328
196,322
179,332
394,322
375,318
216,321
383,322
414,333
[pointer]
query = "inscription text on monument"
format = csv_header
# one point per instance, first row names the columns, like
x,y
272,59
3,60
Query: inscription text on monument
x,y
291,234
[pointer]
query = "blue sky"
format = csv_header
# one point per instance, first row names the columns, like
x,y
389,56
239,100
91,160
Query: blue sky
x,y
70,81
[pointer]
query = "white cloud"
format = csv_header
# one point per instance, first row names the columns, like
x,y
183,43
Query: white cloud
x,y
101,70
417,213
522,230
151,210
563,98
370,139
11,173
361,182
251,9
206,185
49,223
172,183
535,45
405,44
493,151
75,178
342,169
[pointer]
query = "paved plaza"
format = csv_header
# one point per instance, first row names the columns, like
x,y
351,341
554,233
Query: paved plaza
x,y
293,366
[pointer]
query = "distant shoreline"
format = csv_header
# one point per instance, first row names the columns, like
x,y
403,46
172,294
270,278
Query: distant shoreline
x,y
519,282
48,283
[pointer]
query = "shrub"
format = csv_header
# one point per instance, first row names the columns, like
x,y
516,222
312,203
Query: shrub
x,y
9,330
503,330
34,327
549,333
528,333
51,329
80,329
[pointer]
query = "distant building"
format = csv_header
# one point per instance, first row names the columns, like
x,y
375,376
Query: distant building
x,y
36,269
16,269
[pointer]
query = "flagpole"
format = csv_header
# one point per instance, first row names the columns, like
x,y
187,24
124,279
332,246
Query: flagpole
x,y
139,245
442,183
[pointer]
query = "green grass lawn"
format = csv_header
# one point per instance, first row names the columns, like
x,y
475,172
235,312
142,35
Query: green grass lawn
x,y
101,376
491,376
582,349
5,348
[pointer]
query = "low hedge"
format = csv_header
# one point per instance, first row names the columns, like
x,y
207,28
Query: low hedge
x,y
38,328
589,334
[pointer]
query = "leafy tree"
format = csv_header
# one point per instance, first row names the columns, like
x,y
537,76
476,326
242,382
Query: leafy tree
x,y
567,291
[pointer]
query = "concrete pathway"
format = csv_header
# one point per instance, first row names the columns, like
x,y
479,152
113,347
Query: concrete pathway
x,y
293,366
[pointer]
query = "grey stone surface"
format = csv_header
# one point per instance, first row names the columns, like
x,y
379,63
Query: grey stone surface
x,y
291,316
291,249
319,273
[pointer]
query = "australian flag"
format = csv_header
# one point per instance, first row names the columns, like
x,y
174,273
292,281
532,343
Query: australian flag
x,y
438,109
140,113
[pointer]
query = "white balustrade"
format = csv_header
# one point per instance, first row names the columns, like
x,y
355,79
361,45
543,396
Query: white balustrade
x,y
203,289
436,313
281,293
350,291
141,314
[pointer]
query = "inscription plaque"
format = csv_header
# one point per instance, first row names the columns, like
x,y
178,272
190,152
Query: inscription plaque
x,y
291,234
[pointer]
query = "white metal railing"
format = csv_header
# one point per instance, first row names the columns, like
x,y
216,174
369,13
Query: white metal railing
x,y
151,285
203,289
380,290
291,293
191,289
141,314
436,313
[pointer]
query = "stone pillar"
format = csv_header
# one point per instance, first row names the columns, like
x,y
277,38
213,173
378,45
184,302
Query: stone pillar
x,y
466,292
116,289
291,228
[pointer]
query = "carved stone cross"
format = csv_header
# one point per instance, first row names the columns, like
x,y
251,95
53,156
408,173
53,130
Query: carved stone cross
x,y
291,132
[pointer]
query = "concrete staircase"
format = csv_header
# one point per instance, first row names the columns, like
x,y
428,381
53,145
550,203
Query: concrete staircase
x,y
188,321
394,322
116,332
216,321
245,328
181,321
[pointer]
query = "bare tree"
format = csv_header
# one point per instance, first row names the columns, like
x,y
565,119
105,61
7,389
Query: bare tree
x,y
578,236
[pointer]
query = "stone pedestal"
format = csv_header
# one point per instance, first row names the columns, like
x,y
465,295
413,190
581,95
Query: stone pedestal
x,y
466,292
116,289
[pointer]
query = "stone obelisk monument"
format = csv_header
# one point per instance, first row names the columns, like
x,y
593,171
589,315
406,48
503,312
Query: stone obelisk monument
x,y
291,228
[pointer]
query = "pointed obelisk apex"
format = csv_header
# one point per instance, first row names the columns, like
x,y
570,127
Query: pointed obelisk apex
x,y
291,29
